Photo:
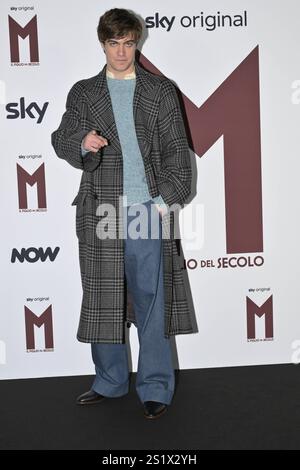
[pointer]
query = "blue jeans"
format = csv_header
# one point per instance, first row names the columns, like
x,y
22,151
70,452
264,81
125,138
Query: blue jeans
x,y
144,272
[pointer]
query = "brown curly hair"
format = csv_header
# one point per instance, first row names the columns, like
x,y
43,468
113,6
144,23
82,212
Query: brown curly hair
x,y
117,23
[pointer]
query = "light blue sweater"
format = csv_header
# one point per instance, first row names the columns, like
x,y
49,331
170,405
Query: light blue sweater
x,y
134,179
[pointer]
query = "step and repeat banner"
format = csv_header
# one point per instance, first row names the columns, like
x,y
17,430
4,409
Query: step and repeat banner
x,y
236,64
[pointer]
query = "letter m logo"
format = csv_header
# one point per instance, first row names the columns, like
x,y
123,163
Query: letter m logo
x,y
45,320
265,310
16,31
233,111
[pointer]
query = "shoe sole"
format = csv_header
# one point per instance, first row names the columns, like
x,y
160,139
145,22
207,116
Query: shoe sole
x,y
156,416
90,403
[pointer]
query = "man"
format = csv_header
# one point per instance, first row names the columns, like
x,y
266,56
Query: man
x,y
124,129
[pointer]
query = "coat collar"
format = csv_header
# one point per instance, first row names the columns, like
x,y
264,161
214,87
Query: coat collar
x,y
98,96
97,86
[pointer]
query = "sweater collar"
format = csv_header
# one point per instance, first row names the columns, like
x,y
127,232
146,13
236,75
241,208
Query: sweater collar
x,y
128,76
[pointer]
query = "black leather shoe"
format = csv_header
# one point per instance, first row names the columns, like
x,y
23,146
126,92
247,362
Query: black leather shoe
x,y
154,409
89,398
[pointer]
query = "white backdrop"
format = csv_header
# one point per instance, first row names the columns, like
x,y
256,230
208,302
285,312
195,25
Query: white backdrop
x,y
199,59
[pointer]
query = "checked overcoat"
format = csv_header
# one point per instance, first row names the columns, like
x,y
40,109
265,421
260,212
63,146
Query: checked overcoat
x,y
164,148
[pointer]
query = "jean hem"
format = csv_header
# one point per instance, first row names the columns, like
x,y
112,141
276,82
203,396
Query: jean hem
x,y
161,397
108,391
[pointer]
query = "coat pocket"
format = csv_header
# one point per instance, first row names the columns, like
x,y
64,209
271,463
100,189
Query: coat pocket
x,y
79,202
81,215
86,205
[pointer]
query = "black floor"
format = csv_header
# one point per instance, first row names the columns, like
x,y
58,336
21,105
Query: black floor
x,y
231,408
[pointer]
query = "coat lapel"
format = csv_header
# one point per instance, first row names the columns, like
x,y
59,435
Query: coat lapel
x,y
101,107
144,98
145,108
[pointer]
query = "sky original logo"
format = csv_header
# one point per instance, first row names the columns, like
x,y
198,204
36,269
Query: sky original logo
x,y
204,21
20,110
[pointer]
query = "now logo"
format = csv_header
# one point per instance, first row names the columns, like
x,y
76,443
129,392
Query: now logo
x,y
32,254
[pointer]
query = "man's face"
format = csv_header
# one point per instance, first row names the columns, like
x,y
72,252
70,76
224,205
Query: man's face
x,y
120,55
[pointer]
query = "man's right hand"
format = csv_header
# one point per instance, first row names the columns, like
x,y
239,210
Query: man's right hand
x,y
93,142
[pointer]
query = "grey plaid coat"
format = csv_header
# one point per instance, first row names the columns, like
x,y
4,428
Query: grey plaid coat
x,y
162,140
